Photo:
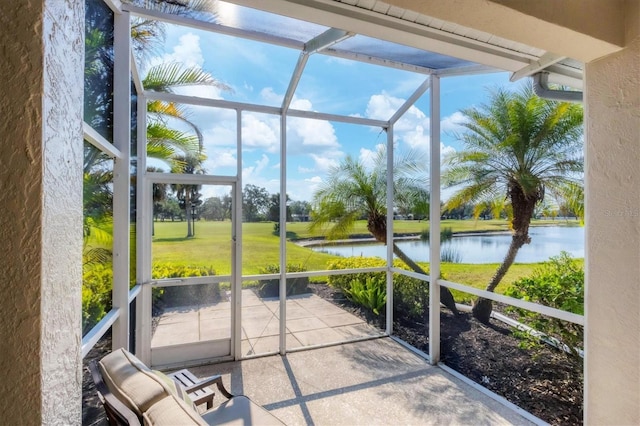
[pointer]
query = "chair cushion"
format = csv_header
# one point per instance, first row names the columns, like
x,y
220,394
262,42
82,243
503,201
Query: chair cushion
x,y
131,381
240,410
172,411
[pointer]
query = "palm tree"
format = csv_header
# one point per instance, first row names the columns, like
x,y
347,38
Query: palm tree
x,y
353,190
189,196
518,149
164,142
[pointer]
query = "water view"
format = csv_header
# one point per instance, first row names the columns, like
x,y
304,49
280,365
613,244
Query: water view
x,y
480,248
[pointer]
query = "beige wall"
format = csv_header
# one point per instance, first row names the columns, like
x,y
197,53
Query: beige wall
x,y
41,224
612,365
581,29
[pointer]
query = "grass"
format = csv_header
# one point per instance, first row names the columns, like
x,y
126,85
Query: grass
x,y
211,247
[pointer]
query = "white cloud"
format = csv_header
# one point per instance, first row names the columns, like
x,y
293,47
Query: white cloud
x,y
186,52
260,132
367,156
301,104
382,106
302,189
446,150
452,122
200,91
218,159
270,96
417,139
315,137
326,161
252,173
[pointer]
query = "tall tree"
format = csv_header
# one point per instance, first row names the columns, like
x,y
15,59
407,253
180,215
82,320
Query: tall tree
x,y
255,203
273,213
518,149
189,196
353,190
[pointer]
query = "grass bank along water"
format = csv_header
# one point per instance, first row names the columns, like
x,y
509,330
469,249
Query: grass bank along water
x,y
260,247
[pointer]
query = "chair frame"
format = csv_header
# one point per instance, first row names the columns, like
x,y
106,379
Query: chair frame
x,y
117,413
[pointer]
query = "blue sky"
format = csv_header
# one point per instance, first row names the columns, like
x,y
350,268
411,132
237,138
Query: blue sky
x,y
260,73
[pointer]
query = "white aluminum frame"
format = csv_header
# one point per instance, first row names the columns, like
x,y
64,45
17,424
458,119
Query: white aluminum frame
x,y
125,66
121,176
434,222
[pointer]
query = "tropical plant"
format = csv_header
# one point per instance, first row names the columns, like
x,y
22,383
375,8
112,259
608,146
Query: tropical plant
x,y
370,293
558,283
519,148
353,190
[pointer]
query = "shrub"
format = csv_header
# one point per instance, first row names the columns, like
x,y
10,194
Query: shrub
x,y
169,270
558,283
97,284
410,295
343,282
372,294
184,295
271,288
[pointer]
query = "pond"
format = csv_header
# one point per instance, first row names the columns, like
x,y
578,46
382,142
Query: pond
x,y
546,241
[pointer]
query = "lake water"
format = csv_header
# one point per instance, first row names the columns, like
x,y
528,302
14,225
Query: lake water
x,y
546,241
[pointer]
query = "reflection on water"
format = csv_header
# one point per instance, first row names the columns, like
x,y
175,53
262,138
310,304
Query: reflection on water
x,y
483,248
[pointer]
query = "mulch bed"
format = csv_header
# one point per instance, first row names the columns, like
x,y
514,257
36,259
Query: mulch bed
x,y
541,381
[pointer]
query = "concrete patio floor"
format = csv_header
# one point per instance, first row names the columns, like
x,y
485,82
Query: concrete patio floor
x,y
374,382
310,321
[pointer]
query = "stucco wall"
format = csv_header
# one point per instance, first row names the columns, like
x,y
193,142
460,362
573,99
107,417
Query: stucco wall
x,y
613,238
41,226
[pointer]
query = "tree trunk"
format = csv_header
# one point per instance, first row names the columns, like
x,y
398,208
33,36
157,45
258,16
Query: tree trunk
x,y
482,308
446,298
187,206
523,207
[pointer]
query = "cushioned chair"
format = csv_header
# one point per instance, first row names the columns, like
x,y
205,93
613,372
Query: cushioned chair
x,y
132,394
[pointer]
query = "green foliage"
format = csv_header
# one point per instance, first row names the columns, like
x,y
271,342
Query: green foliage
x,y
168,270
271,288
410,295
558,283
181,295
371,294
97,283
343,282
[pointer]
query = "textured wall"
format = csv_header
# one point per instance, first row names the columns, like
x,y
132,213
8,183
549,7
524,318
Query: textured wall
x,y
62,211
20,196
613,238
41,71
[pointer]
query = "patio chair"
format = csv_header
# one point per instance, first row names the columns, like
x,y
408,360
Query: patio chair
x,y
133,394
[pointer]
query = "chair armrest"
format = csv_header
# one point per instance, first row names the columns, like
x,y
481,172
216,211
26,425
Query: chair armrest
x,y
217,380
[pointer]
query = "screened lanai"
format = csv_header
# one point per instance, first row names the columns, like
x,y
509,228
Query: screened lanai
x,y
302,124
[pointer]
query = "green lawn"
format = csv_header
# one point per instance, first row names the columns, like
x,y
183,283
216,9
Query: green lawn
x,y
260,246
